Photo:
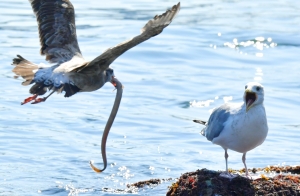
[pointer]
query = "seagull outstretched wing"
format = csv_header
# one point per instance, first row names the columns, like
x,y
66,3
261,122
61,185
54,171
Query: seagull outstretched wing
x,y
152,28
57,30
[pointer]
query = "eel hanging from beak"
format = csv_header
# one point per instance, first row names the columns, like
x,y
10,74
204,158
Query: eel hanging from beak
x,y
109,123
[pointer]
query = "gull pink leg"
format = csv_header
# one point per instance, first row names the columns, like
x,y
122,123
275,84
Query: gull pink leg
x,y
226,158
29,99
226,174
244,161
39,100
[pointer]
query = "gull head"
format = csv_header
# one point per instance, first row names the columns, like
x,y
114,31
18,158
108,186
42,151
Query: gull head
x,y
110,75
254,94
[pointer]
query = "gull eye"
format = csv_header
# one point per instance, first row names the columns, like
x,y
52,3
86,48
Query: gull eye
x,y
246,87
258,88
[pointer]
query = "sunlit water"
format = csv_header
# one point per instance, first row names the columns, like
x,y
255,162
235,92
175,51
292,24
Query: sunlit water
x,y
203,59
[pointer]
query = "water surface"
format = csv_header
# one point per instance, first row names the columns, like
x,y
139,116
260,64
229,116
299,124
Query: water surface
x,y
204,58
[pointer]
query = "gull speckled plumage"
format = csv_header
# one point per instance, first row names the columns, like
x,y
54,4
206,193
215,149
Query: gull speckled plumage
x,y
69,72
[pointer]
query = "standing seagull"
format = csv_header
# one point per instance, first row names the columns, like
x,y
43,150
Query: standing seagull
x,y
71,73
239,127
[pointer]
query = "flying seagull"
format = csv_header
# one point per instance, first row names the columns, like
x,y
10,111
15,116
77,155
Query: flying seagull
x,y
70,72
239,127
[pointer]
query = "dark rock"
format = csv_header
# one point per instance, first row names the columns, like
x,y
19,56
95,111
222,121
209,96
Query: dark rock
x,y
208,183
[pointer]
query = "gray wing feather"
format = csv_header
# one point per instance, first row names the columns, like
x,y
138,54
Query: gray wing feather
x,y
56,22
151,29
216,122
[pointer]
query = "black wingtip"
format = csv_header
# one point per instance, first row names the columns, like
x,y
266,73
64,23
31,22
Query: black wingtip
x,y
200,122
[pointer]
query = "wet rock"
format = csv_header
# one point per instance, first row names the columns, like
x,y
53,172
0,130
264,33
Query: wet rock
x,y
151,183
141,184
206,183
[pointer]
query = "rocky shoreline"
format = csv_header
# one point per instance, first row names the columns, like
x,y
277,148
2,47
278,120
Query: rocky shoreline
x,y
269,181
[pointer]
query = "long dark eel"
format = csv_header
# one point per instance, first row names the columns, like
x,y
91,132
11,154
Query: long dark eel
x,y
109,123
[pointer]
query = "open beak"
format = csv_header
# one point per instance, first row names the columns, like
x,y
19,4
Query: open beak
x,y
250,98
114,81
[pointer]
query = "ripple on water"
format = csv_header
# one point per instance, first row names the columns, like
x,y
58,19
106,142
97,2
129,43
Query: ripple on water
x,y
200,61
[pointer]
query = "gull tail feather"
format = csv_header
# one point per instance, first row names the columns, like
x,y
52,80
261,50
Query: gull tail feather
x,y
25,69
202,122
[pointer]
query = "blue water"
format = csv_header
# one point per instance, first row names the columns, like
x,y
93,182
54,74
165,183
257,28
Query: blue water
x,y
204,58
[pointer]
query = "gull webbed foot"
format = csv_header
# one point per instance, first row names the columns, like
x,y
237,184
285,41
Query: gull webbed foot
x,y
228,175
39,100
29,99
35,99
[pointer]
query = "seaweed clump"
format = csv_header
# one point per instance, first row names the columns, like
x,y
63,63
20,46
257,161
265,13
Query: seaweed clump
x,y
206,182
